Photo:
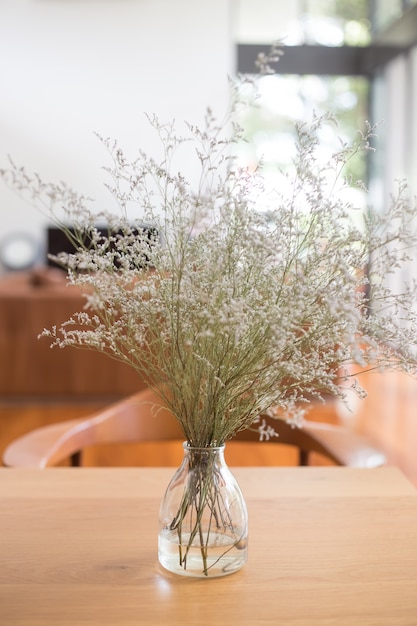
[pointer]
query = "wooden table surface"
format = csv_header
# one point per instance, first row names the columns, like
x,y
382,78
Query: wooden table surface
x,y
328,546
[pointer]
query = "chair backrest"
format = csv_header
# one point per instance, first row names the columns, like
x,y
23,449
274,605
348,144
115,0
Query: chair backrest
x,y
139,418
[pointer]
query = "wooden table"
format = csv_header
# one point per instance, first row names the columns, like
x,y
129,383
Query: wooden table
x,y
328,546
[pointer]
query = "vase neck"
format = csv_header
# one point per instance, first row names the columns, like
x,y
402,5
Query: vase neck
x,y
197,454
206,449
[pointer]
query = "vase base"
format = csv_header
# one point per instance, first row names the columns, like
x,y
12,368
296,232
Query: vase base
x,y
222,559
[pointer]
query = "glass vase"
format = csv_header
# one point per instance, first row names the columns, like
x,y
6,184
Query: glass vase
x,y
203,521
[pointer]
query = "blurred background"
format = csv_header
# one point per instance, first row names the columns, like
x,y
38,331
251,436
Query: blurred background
x,y
70,68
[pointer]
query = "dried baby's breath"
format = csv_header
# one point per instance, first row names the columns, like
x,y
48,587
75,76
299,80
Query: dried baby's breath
x,y
227,297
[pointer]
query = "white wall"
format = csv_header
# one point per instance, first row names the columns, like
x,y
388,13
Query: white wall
x,y
72,67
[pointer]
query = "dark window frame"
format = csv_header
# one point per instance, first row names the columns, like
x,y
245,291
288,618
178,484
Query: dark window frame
x,y
320,60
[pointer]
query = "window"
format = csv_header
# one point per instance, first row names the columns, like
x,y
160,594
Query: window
x,y
338,57
355,58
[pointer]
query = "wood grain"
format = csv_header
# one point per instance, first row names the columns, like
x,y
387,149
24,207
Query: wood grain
x,y
327,546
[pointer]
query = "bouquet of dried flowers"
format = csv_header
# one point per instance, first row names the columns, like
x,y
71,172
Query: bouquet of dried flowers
x,y
230,298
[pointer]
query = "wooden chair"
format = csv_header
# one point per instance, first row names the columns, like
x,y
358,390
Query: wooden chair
x,y
135,419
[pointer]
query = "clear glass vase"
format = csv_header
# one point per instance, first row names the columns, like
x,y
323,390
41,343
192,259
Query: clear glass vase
x,y
203,521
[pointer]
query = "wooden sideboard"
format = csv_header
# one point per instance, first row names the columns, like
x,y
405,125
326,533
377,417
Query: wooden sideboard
x,y
34,300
